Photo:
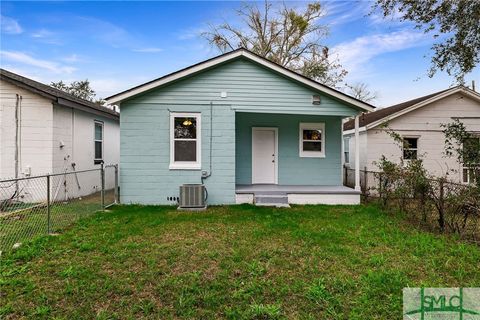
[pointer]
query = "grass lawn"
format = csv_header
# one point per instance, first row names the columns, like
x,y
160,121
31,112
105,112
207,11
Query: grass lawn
x,y
23,221
237,262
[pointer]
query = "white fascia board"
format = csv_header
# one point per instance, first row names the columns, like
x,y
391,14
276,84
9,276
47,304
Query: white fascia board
x,y
173,77
229,56
352,131
312,84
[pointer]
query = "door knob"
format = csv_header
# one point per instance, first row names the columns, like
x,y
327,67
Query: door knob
x,y
273,160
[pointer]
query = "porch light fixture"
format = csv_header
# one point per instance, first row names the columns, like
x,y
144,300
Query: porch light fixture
x,y
315,100
187,122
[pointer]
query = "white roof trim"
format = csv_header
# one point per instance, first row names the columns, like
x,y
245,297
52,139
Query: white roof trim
x,y
229,56
472,94
352,131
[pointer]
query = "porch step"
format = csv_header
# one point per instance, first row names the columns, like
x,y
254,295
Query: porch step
x,y
274,200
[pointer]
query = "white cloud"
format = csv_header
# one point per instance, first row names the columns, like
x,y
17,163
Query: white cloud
x,y
26,59
148,50
46,36
105,32
9,25
73,58
105,87
339,13
42,33
354,55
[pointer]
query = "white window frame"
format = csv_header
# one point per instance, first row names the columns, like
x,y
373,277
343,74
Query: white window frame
x,y
95,159
311,126
416,149
466,178
185,165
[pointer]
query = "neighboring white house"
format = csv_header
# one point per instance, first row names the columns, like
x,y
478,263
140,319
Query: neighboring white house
x,y
418,122
44,130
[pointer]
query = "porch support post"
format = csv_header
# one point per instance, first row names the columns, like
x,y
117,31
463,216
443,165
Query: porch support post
x,y
357,154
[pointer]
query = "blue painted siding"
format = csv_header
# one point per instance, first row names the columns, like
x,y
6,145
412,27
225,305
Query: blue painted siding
x,y
145,146
292,169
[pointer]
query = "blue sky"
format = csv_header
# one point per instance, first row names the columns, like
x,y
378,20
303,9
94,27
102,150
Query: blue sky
x,y
120,44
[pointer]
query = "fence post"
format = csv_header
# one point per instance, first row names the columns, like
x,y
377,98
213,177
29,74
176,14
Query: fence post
x,y
48,204
441,205
365,186
380,185
102,177
115,192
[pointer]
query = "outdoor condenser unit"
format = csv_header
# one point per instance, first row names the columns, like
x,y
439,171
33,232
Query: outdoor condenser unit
x,y
192,196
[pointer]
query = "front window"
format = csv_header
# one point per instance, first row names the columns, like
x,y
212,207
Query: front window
x,y
471,155
312,140
410,148
346,150
98,142
185,144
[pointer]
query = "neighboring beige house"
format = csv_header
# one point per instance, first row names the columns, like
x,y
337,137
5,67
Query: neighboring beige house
x,y
44,130
418,121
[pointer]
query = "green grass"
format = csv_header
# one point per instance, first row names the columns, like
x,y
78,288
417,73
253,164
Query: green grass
x,y
25,221
237,262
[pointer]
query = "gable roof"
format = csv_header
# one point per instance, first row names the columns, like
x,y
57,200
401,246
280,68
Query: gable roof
x,y
60,97
372,119
210,63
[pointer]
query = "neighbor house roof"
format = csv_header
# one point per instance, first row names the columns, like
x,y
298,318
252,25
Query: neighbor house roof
x,y
56,95
210,63
372,119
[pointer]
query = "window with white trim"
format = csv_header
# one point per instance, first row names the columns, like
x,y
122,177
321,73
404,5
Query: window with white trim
x,y
185,144
346,150
471,169
410,148
98,142
312,140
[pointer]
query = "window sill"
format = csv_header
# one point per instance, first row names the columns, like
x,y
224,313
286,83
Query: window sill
x,y
311,155
177,166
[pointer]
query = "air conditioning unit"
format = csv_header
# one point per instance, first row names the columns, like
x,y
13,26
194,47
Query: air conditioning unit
x,y
192,196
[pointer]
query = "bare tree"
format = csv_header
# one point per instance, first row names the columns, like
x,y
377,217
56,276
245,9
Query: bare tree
x,y
361,91
288,36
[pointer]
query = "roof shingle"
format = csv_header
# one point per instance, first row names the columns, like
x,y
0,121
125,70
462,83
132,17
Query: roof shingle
x,y
379,114
54,94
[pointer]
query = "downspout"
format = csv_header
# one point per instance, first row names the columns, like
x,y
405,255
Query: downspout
x,y
17,139
206,175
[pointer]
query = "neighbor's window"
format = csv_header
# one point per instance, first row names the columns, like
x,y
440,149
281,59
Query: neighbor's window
x,y
98,142
185,143
471,169
312,140
346,150
410,148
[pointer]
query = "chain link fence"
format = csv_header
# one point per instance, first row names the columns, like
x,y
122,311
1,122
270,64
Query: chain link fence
x,y
48,204
437,204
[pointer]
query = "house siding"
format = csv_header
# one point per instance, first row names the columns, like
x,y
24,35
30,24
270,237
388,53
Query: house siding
x,y
292,169
35,145
145,140
424,123
45,127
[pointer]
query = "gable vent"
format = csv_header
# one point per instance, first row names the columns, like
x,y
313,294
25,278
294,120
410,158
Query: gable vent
x,y
315,100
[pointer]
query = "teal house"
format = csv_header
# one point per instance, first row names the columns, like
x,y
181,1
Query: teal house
x,y
248,129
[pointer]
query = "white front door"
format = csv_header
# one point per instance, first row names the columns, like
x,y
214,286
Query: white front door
x,y
264,155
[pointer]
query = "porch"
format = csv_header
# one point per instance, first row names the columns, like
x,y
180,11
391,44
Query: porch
x,y
273,194
286,159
